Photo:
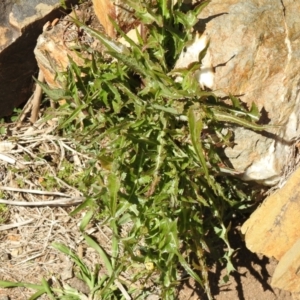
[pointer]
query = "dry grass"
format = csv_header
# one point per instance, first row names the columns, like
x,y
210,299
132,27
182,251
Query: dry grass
x,y
40,201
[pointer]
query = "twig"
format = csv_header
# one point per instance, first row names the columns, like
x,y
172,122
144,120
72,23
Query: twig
x,y
8,159
57,202
7,188
9,226
122,289
25,111
29,258
33,103
36,101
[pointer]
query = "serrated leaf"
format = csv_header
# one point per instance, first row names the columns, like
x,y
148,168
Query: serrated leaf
x,y
231,118
254,112
110,44
235,101
54,94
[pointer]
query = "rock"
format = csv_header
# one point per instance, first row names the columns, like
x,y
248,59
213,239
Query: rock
x,y
109,10
254,49
21,22
274,227
287,272
190,54
54,46
79,285
117,10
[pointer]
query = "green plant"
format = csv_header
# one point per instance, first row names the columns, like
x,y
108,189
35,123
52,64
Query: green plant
x,y
4,212
159,143
101,287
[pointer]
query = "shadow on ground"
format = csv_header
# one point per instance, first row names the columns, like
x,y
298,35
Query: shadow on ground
x,y
251,280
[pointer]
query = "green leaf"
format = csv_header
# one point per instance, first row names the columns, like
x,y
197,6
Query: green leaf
x,y
145,13
110,44
101,252
188,269
86,219
113,187
9,284
203,52
130,62
37,295
254,112
169,110
235,101
226,117
48,289
195,126
54,94
76,259
87,203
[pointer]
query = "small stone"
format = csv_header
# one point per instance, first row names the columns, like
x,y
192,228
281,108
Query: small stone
x,y
67,273
5,257
79,285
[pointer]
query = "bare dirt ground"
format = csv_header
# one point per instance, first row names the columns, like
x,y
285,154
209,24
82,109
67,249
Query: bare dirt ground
x,y
26,255
29,166
251,281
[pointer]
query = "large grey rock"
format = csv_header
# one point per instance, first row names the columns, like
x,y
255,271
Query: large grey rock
x,y
254,45
21,22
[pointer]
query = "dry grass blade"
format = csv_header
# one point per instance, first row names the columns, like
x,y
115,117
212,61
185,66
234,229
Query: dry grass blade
x,y
38,182
58,202
7,159
10,226
6,188
36,101
122,289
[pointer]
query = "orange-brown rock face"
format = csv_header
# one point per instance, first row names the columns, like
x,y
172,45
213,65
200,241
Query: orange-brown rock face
x,y
274,230
117,10
275,226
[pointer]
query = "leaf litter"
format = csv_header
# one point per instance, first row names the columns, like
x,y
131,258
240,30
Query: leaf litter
x,y
40,202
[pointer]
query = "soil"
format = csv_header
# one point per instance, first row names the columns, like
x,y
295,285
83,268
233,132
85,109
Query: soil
x,y
250,281
26,255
